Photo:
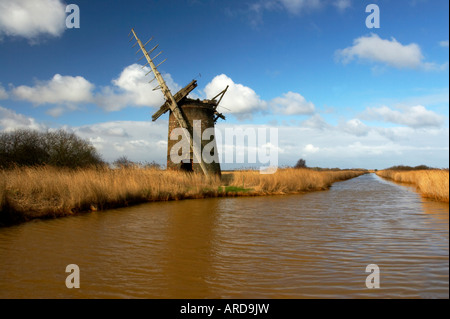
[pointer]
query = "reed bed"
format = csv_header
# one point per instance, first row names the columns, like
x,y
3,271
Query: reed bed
x,y
430,183
46,192
286,181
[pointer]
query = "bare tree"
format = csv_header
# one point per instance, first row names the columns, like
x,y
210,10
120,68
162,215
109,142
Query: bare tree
x,y
124,162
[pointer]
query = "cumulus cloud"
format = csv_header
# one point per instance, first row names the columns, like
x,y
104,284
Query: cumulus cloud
x,y
59,90
131,88
239,99
242,100
292,104
444,44
10,120
372,48
31,19
415,116
3,94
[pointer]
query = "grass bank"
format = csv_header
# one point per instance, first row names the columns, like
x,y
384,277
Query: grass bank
x,y
48,192
430,183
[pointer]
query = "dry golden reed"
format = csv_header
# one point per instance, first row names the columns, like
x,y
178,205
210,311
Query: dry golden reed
x,y
430,183
43,192
290,180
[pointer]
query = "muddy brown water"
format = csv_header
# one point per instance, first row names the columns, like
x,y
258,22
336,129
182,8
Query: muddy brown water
x,y
314,245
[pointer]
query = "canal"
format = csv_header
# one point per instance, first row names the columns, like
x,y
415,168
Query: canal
x,y
313,245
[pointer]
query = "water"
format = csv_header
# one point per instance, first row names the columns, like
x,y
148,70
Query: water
x,y
314,245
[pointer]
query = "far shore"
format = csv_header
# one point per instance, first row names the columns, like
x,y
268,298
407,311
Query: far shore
x,y
431,183
48,192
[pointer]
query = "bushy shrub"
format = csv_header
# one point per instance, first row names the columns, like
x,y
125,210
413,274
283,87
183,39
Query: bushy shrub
x,y
58,148
124,162
301,163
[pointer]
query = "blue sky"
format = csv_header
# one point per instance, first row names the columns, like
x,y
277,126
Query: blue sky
x,y
340,94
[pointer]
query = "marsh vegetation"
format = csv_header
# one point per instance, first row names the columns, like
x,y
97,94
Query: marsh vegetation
x,y
431,183
45,192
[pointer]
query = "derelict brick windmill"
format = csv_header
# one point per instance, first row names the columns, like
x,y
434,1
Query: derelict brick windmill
x,y
186,113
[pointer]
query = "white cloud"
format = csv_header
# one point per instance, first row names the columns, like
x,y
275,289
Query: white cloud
x,y
147,141
310,149
431,66
56,111
10,120
30,19
292,103
379,148
239,99
391,52
140,141
415,116
59,90
131,88
3,94
110,100
133,82
396,133
355,127
316,122
374,150
444,44
342,4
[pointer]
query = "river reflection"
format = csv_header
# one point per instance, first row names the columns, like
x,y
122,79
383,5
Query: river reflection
x,y
314,245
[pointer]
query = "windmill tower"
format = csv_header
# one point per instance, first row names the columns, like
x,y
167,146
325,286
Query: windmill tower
x,y
193,117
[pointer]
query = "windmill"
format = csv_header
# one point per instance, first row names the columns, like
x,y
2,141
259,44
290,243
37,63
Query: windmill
x,y
187,114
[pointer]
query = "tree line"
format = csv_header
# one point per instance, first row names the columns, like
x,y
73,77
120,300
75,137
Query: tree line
x,y
57,148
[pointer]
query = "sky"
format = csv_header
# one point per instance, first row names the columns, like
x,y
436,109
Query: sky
x,y
340,92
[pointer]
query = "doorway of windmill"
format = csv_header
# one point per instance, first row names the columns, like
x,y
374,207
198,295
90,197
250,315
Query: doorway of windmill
x,y
187,166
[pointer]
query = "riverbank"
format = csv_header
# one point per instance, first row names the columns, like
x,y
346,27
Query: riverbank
x,y
432,184
48,192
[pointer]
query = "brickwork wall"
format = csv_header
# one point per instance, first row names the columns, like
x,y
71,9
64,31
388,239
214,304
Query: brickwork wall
x,y
193,110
